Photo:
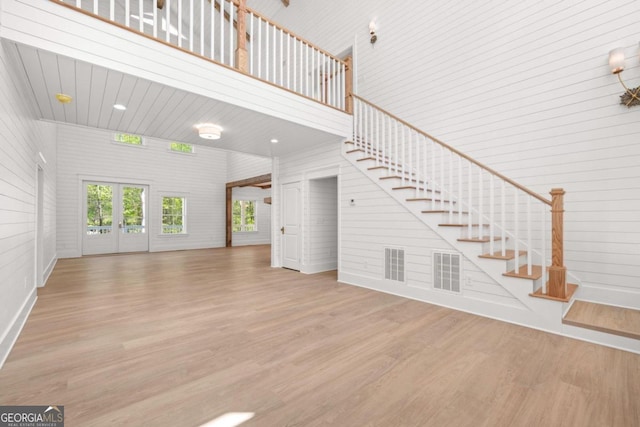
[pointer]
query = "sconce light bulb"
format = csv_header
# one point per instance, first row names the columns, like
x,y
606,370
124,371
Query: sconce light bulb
x,y
372,27
616,60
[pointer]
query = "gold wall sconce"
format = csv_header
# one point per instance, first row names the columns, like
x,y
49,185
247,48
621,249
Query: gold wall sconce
x,y
631,96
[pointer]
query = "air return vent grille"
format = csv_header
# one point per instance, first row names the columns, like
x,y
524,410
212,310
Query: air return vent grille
x,y
447,271
394,266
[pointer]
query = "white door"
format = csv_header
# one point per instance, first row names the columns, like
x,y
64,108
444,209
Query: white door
x,y
114,218
291,226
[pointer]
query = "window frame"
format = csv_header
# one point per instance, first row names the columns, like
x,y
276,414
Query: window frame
x,y
243,223
192,152
184,214
115,140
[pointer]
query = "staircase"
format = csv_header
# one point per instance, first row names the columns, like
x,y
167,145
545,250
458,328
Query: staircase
x,y
510,232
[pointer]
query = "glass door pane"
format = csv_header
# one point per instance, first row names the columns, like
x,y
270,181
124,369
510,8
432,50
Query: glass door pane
x,y
99,209
133,210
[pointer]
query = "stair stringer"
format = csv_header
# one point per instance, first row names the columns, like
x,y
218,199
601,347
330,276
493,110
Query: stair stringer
x,y
548,313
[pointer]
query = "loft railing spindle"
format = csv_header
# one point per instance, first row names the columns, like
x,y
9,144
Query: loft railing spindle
x,y
516,243
167,18
155,19
221,22
202,26
231,34
191,25
112,10
492,219
469,220
543,239
179,23
127,12
503,219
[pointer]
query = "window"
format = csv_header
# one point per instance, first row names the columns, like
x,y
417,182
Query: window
x,y
126,138
181,147
244,216
173,215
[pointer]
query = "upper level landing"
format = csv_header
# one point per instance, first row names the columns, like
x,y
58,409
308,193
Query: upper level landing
x,y
174,68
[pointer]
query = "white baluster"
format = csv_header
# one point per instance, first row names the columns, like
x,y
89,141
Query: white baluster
x,y
404,157
95,8
140,14
417,177
295,65
395,147
442,183
167,18
529,242
469,220
231,34
543,239
179,22
275,56
222,31
433,174
155,19
112,10
503,219
289,64
191,25
127,13
253,41
378,142
480,203
450,186
491,214
516,222
212,19
459,190
202,27
281,81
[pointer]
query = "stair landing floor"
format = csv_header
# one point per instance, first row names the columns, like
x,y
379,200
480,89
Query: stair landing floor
x,y
604,318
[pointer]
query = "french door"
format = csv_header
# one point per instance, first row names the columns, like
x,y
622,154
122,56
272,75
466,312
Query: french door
x,y
115,218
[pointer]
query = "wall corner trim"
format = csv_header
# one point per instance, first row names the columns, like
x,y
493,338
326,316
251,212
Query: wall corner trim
x,y
14,329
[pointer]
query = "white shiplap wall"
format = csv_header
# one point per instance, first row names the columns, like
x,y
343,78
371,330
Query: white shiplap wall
x,y
90,154
242,166
523,87
263,235
323,225
374,221
21,139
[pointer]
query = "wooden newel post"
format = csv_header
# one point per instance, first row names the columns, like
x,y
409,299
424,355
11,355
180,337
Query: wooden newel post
x,y
557,271
242,57
348,85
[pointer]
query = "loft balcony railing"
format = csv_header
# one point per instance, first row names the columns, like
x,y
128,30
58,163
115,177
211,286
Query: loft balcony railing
x,y
233,35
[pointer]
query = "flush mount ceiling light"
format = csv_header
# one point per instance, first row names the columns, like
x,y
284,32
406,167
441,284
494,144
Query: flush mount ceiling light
x,y
631,96
274,141
120,107
209,131
63,98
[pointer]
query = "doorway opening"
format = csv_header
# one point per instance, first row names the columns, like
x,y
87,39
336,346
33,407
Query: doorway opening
x,y
322,241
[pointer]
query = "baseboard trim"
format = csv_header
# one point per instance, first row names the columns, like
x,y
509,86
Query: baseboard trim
x,y
47,271
319,268
13,331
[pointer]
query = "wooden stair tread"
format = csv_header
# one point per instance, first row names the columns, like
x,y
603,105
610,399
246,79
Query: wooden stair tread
x,y
484,239
571,289
355,150
509,254
620,321
536,273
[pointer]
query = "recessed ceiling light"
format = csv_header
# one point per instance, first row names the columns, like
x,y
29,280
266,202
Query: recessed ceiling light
x,y
63,98
209,130
274,141
119,107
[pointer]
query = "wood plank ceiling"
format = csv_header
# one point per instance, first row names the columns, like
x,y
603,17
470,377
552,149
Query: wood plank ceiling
x,y
153,109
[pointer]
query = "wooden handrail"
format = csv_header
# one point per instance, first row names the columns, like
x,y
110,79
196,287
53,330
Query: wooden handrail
x,y
275,24
459,153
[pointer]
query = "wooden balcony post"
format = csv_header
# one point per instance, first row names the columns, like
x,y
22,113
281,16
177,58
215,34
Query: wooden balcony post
x,y
557,271
348,85
242,57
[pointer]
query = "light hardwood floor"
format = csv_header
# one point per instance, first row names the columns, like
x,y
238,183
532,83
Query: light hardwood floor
x,y
180,338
